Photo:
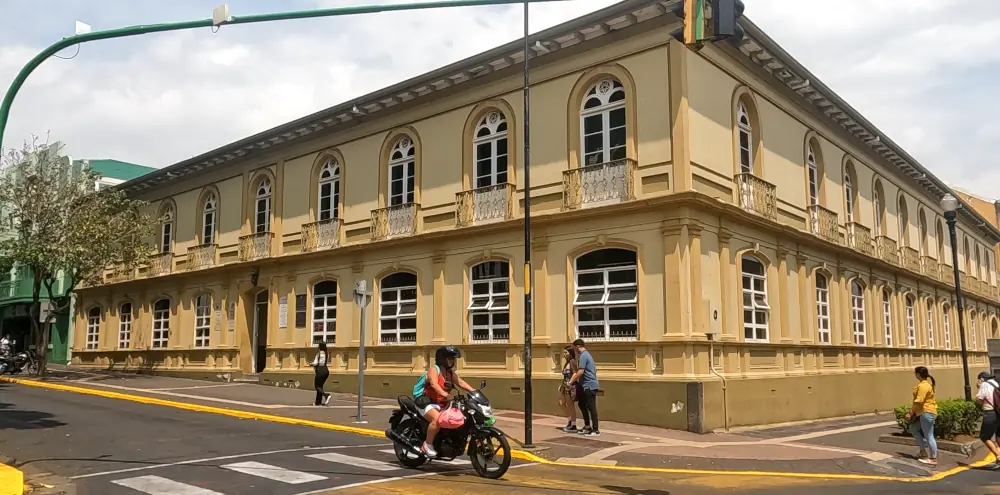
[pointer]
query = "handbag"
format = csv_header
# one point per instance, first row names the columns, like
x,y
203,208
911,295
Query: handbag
x,y
451,418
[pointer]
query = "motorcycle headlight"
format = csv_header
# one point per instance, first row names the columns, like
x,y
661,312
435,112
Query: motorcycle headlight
x,y
486,410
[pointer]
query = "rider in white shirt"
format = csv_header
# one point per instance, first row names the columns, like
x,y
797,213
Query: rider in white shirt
x,y
988,432
5,345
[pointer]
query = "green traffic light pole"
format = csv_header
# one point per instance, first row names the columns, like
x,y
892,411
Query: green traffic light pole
x,y
247,19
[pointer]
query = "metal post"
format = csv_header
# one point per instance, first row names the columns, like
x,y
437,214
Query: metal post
x,y
959,303
69,41
528,272
361,298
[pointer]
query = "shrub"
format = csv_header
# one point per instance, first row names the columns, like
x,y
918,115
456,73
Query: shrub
x,y
955,417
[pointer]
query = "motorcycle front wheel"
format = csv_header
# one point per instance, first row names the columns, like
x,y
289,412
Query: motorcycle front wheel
x,y
491,449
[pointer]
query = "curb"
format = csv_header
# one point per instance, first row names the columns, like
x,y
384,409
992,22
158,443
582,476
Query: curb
x,y
968,449
515,453
11,480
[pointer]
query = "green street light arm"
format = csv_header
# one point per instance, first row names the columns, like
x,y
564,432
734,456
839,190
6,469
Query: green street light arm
x,y
247,19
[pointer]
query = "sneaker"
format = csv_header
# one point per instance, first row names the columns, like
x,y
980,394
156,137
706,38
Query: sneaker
x,y
593,434
326,399
429,450
570,428
929,462
586,430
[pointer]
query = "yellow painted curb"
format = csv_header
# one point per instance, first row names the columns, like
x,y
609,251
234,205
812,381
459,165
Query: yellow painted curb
x,y
517,454
11,481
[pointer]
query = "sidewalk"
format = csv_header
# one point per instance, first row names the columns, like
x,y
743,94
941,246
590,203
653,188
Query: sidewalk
x,y
843,447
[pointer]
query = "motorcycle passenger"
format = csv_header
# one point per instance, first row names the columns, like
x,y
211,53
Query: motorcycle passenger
x,y
5,345
441,380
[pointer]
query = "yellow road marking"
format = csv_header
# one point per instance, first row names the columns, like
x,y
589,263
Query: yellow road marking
x,y
11,480
517,454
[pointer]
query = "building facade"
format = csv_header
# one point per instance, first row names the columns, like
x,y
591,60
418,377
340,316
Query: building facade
x,y
725,232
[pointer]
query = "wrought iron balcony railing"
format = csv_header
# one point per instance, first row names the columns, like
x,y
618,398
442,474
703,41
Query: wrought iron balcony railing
x,y
600,184
255,246
202,256
484,205
824,223
859,238
324,234
394,221
757,195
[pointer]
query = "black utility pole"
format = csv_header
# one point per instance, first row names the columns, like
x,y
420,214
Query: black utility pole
x,y
528,272
949,216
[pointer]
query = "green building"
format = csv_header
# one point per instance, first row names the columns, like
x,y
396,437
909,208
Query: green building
x,y
17,282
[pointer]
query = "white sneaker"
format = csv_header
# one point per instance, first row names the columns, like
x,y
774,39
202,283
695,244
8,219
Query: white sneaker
x,y
429,450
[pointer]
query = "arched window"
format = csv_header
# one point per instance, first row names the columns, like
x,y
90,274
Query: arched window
x,y
161,323
607,295
903,217
849,197
755,307
858,312
887,316
812,171
489,302
329,191
324,327
930,323
93,328
911,322
973,341
939,234
208,219
262,207
879,209
946,320
922,232
167,229
979,264
603,122
490,144
745,131
398,309
124,325
968,257
823,307
202,320
402,172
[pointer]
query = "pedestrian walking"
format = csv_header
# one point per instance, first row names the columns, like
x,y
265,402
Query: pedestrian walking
x,y
923,412
586,376
988,398
322,374
568,390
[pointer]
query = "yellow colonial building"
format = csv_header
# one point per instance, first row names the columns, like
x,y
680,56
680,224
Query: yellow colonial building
x,y
736,243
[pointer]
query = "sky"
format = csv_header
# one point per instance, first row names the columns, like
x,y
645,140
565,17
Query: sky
x,y
920,70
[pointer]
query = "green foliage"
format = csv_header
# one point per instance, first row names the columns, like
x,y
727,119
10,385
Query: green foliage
x,y
955,417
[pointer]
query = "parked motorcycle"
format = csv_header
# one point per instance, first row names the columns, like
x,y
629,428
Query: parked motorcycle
x,y
16,363
484,443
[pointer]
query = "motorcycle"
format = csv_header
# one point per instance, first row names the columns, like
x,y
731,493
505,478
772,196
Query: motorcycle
x,y
477,436
15,364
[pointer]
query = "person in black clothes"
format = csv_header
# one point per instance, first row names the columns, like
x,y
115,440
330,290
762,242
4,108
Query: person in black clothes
x,y
322,373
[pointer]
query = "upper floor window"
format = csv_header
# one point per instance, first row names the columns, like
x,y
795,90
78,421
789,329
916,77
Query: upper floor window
x,y
973,341
939,234
823,308
946,320
603,119
858,312
329,191
922,233
202,320
262,208
402,172
911,322
755,307
887,316
903,217
745,131
208,219
849,197
607,295
489,302
124,325
161,323
813,176
930,324
93,328
490,143
167,229
968,257
324,312
398,309
879,207
979,264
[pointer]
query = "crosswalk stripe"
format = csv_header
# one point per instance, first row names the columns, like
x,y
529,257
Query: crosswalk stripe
x,y
273,472
355,461
155,485
453,462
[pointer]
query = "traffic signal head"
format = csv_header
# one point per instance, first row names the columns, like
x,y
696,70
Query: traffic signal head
x,y
692,13
726,20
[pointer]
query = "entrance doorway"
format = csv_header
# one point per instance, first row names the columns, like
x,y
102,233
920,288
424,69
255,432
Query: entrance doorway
x,y
259,340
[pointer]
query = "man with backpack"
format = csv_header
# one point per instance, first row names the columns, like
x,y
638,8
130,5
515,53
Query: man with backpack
x,y
989,398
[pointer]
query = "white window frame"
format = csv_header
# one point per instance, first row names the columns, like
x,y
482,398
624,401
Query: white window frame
x,y
755,330
608,298
973,341
903,221
812,172
167,231
491,304
399,313
403,156
849,197
823,308
93,329
887,316
161,326
202,320
930,324
946,320
262,204
209,217
324,328
858,321
495,126
602,92
911,323
124,326
329,175
744,129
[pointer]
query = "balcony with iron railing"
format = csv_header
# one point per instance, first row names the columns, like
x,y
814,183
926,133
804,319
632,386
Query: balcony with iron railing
x,y
201,257
324,234
484,205
600,184
929,267
888,249
119,274
757,195
161,264
394,221
824,223
964,279
947,274
859,238
910,259
255,246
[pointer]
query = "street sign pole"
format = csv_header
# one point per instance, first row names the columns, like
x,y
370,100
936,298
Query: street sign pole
x,y
361,298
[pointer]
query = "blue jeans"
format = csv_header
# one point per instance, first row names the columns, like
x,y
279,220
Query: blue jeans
x,y
923,433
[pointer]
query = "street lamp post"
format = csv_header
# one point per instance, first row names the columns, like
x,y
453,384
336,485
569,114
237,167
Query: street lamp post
x,y
950,206
528,272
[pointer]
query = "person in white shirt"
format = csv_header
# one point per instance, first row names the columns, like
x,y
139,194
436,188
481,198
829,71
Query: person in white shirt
x,y
988,385
322,373
5,345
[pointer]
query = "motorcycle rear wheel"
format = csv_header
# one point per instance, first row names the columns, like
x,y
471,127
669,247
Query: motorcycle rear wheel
x,y
479,459
410,430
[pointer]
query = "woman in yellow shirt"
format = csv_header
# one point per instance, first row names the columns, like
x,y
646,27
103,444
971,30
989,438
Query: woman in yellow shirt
x,y
922,414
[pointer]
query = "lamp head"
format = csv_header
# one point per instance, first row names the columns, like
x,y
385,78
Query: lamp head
x,y
949,203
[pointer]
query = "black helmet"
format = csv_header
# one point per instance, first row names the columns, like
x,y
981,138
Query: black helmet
x,y
443,353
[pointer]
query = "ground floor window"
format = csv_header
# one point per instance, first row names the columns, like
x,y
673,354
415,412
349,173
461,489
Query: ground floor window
x,y
607,295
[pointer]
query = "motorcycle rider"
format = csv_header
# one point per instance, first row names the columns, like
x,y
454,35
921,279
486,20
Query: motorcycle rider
x,y
441,380
5,345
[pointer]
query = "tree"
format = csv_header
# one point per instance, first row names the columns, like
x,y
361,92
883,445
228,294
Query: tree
x,y
56,224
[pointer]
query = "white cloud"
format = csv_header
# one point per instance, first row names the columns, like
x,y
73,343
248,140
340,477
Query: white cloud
x,y
920,69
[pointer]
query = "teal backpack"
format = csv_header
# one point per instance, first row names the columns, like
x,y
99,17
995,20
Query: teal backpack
x,y
418,389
